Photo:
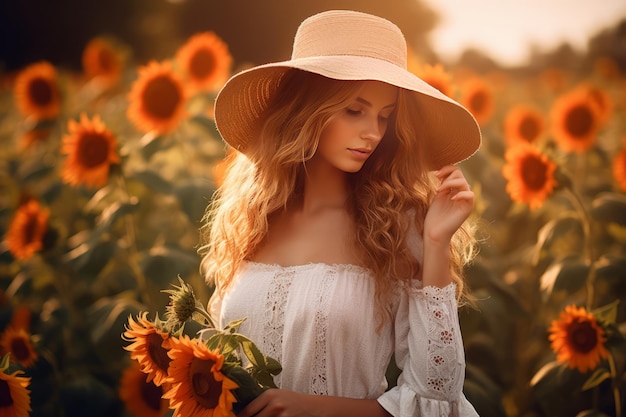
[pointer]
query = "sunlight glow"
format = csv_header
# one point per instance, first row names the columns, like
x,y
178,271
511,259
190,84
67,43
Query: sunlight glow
x,y
508,30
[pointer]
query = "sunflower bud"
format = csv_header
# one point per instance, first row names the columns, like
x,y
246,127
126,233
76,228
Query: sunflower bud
x,y
182,305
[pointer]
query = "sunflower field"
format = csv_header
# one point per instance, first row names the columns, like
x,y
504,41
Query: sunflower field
x,y
106,173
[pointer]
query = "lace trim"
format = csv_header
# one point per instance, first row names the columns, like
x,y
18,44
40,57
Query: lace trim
x,y
265,267
319,378
442,339
275,304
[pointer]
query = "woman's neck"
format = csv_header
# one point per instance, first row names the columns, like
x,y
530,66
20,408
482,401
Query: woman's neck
x,y
325,187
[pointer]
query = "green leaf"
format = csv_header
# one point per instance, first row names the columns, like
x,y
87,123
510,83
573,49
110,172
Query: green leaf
x,y
233,326
568,275
607,314
108,318
116,210
253,353
558,230
205,122
609,207
599,376
34,169
160,263
152,143
193,197
153,181
4,364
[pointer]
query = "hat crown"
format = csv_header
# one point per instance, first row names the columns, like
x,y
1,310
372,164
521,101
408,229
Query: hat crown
x,y
343,32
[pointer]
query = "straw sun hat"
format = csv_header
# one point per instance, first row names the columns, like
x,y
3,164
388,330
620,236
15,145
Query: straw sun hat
x,y
349,45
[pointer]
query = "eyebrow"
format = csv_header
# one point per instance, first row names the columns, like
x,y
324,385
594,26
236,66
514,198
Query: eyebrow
x,y
367,103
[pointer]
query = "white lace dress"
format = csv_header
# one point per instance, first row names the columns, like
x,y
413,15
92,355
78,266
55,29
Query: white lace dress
x,y
318,321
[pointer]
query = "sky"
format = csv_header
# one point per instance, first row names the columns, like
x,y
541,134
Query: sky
x,y
506,30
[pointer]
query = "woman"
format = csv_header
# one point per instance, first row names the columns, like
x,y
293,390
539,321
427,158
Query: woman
x,y
340,229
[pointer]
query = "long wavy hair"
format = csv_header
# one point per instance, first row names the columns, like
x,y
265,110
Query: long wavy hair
x,y
388,197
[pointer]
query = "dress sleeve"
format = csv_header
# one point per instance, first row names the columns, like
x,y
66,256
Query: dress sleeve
x,y
429,352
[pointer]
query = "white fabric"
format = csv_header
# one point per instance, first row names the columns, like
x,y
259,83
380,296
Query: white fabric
x,y
318,320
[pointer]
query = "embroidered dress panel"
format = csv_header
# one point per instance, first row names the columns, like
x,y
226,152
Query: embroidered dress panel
x,y
319,321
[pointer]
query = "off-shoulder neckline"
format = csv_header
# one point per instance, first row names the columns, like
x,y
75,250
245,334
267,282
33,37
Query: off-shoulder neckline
x,y
263,266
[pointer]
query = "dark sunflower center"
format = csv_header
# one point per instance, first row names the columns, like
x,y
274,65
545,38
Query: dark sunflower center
x,y
478,101
106,60
151,395
579,121
40,92
161,97
156,351
206,390
5,395
19,348
93,150
202,64
534,173
529,129
29,231
582,336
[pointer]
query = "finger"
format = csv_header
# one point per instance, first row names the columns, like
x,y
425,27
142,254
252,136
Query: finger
x,y
463,196
457,184
254,407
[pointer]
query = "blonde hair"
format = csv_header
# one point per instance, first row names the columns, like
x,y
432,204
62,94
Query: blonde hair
x,y
392,184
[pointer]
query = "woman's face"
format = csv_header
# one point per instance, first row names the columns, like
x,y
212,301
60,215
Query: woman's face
x,y
354,132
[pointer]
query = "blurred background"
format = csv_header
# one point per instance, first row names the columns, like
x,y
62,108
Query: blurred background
x,y
109,156
509,33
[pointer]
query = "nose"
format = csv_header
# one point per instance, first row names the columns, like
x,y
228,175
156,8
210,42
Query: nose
x,y
373,129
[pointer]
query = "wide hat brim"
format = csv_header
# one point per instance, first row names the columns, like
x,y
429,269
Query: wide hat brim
x,y
449,132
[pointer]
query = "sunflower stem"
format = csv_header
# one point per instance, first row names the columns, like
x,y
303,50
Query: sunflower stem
x,y
589,252
142,283
616,393
206,315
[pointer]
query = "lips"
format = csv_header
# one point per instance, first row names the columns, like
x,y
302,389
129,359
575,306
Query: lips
x,y
363,151
360,153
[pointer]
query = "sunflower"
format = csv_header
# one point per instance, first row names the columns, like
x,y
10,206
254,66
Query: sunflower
x,y
37,91
103,59
142,398
91,149
15,398
21,317
523,124
619,167
205,60
604,103
575,121
530,175
199,388
157,99
149,347
478,98
578,339
436,76
17,342
27,230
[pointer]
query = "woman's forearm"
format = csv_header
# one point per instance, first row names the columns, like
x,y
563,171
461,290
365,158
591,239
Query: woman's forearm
x,y
279,402
327,406
436,265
